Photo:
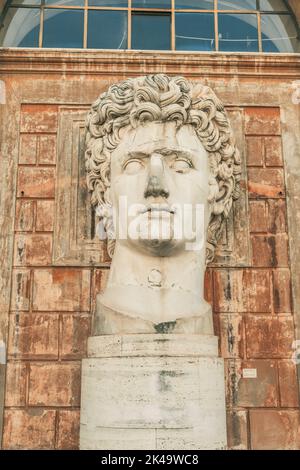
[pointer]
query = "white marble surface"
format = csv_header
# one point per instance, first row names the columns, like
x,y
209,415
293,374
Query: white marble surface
x,y
156,391
175,345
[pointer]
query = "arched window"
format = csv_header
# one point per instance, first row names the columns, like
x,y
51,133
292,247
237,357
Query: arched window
x,y
184,25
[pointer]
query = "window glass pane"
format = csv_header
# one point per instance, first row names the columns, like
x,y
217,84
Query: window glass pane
x,y
238,32
63,28
67,3
270,5
151,31
107,29
195,31
21,28
279,34
195,4
109,3
151,3
237,4
26,2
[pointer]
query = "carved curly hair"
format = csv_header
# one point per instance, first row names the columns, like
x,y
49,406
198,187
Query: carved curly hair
x,y
161,98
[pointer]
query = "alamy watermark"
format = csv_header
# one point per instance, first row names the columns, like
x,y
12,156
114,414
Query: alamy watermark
x,y
154,222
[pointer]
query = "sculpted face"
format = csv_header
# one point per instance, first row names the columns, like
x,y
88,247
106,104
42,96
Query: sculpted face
x,y
171,186
159,180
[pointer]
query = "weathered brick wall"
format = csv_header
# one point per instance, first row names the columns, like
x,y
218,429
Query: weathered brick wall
x,y
253,306
49,318
51,306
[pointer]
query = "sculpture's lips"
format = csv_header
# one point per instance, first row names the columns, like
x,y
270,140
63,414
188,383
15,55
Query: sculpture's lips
x,y
158,208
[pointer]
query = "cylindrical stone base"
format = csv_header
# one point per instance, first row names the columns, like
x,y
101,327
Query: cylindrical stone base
x,y
160,391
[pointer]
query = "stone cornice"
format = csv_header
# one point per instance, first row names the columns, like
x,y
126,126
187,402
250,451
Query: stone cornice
x,y
62,61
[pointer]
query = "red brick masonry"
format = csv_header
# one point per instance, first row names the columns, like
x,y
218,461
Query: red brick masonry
x,y
51,306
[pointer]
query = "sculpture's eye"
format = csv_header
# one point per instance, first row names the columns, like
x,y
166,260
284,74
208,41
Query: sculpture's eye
x,y
133,166
182,165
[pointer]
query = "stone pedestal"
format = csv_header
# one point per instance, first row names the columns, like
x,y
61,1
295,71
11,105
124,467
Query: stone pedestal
x,y
153,391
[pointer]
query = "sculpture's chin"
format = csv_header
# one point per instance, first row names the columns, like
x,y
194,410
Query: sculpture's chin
x,y
154,234
157,235
158,247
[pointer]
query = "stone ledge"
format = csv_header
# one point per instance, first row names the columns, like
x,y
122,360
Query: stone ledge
x,y
73,61
150,345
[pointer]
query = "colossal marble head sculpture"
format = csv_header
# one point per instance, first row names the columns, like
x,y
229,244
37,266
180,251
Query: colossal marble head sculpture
x,y
159,149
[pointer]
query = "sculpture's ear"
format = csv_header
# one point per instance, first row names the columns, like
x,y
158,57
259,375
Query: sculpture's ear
x,y
213,190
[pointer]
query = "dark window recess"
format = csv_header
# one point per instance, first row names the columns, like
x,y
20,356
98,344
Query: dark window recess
x,y
63,28
238,33
166,4
151,31
107,29
195,32
194,4
108,3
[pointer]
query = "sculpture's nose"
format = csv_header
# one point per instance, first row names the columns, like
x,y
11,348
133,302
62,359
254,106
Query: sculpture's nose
x,y
156,185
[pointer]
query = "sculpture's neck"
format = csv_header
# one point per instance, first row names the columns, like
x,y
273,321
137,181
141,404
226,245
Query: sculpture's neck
x,y
156,289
